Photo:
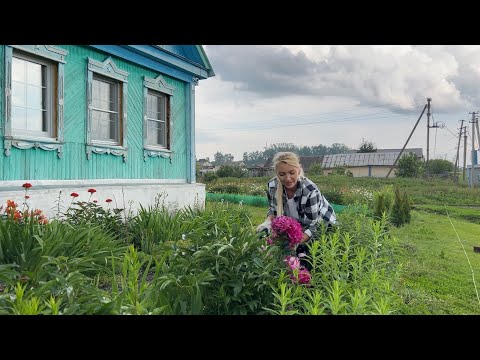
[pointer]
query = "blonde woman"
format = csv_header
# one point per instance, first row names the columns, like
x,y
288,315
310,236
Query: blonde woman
x,y
292,194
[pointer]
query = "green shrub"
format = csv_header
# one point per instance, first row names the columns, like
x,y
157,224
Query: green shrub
x,y
406,207
210,176
383,201
92,214
333,196
225,189
315,169
398,212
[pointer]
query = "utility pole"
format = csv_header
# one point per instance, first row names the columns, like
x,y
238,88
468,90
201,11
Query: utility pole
x,y
464,151
478,130
428,137
473,149
458,150
404,146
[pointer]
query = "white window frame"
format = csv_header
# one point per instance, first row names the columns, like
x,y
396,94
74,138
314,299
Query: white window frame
x,y
117,91
109,71
54,58
158,86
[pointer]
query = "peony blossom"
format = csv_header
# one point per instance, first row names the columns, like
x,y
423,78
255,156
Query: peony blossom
x,y
304,276
293,262
285,226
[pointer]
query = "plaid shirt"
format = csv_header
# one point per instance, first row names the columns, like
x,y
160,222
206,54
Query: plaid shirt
x,y
311,204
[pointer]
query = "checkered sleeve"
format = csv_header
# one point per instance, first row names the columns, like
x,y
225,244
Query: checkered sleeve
x,y
312,206
317,208
272,209
327,213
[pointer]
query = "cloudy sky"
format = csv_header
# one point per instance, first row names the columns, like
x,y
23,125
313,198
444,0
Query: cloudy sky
x,y
314,94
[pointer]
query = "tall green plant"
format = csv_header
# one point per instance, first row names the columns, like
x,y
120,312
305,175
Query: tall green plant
x,y
406,207
398,212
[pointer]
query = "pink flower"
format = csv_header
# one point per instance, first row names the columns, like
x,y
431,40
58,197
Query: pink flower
x,y
293,262
285,225
303,277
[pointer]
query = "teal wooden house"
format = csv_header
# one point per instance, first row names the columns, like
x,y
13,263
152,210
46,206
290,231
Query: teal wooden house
x,y
116,118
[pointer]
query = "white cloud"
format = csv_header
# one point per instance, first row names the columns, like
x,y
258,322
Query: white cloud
x,y
311,95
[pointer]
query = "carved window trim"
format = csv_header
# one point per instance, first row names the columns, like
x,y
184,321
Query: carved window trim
x,y
159,85
57,55
108,69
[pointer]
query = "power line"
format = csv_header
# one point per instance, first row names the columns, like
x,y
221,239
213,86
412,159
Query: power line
x,y
301,124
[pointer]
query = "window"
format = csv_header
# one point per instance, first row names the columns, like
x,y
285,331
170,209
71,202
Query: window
x,y
107,109
34,97
156,119
157,124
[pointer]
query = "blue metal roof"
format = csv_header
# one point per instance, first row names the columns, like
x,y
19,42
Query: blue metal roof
x,y
185,62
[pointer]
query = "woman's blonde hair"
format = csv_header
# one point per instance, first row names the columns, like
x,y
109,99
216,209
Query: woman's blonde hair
x,y
289,158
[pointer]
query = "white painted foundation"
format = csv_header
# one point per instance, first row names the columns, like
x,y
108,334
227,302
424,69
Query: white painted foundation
x,y
125,193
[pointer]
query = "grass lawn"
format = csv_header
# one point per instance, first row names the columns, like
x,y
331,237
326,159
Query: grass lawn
x,y
436,276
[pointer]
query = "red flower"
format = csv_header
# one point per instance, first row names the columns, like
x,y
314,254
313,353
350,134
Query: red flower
x,y
27,185
108,200
27,197
92,191
74,194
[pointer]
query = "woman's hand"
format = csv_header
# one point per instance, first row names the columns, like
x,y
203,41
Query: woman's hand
x,y
266,225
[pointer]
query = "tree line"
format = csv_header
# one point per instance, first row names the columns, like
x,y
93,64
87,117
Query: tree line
x,y
260,157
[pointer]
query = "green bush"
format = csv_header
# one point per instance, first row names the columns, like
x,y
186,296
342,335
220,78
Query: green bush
x,y
225,189
383,201
406,207
220,268
315,169
92,214
210,176
398,210
409,166
333,196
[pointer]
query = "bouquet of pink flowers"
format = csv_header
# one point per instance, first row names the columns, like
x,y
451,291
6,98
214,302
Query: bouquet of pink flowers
x,y
286,232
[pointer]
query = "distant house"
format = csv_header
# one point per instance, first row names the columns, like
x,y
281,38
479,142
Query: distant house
x,y
200,162
239,163
117,118
376,164
258,170
205,167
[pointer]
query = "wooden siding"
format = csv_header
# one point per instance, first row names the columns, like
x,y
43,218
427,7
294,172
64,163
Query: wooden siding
x,y
36,164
